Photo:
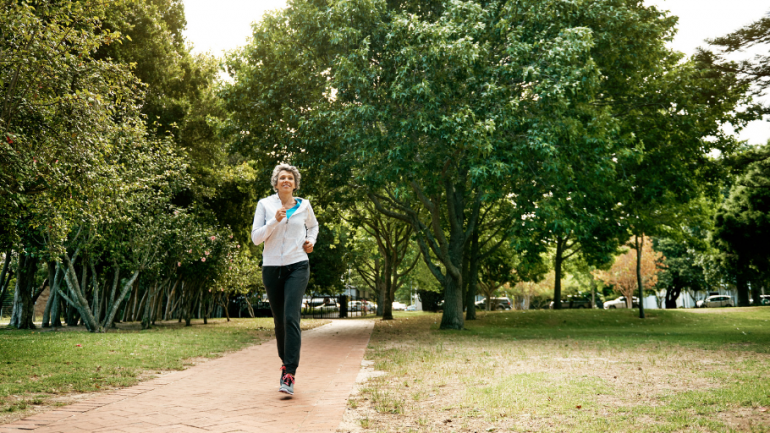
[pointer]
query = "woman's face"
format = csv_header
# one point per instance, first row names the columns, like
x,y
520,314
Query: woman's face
x,y
285,181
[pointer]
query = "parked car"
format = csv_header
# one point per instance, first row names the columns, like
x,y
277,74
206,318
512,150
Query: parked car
x,y
764,300
621,303
262,309
320,305
412,307
355,306
716,301
398,306
495,304
576,302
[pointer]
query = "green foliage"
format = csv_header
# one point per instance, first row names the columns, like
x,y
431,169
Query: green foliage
x,y
61,106
741,225
756,71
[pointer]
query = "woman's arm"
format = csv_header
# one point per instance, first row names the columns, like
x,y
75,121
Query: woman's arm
x,y
262,228
312,225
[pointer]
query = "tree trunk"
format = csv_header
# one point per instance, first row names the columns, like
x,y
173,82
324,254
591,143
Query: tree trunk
x,y
138,307
56,309
53,273
224,301
151,294
387,287
111,300
170,298
756,293
76,296
639,246
23,310
742,285
96,308
108,320
558,259
672,295
5,273
473,278
452,317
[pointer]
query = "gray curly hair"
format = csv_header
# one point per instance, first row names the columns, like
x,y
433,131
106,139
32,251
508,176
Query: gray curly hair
x,y
285,167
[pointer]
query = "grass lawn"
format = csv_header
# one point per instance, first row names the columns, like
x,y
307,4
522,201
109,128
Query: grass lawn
x,y
44,368
571,371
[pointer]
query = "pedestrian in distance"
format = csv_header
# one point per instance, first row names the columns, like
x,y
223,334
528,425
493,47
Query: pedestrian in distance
x,y
288,228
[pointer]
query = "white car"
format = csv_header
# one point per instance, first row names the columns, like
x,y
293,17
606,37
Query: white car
x,y
620,303
716,301
398,306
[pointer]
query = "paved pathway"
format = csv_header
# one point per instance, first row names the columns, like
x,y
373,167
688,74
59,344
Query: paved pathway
x,y
235,393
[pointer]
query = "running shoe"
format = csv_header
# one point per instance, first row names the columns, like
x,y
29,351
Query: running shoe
x,y
287,384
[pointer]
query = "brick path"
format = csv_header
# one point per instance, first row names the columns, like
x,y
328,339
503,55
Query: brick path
x,y
235,393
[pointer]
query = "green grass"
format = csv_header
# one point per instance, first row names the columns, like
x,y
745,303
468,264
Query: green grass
x,y
572,370
37,366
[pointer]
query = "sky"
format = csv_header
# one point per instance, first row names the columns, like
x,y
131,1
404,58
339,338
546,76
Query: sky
x,y
222,25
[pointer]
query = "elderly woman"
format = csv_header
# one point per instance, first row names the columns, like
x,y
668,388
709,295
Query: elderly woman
x,y
288,227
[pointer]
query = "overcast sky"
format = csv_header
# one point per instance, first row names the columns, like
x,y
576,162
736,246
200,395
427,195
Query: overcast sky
x,y
222,25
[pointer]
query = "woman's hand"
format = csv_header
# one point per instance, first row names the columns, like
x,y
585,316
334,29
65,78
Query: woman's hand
x,y
308,247
280,214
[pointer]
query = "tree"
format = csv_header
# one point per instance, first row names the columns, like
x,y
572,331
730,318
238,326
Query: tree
x,y
631,267
741,225
683,268
386,271
431,95
678,124
756,72
497,270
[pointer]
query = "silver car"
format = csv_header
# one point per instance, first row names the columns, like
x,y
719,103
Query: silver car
x,y
716,301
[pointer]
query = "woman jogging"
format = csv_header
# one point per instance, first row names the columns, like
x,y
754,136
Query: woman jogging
x,y
288,227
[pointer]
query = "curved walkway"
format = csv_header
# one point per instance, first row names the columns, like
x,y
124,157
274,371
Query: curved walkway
x,y
235,393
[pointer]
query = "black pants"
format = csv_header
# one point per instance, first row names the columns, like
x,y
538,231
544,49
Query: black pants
x,y
285,288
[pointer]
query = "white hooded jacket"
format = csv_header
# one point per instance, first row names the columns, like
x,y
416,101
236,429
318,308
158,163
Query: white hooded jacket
x,y
283,240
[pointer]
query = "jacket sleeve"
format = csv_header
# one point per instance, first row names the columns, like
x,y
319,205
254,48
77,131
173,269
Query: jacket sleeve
x,y
312,225
262,228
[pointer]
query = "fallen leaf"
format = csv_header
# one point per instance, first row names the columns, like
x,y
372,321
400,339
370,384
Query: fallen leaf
x,y
578,406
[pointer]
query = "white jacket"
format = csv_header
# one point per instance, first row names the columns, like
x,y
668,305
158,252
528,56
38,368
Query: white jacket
x,y
283,240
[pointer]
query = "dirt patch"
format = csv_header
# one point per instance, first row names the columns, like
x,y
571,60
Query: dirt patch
x,y
448,382
754,419
356,411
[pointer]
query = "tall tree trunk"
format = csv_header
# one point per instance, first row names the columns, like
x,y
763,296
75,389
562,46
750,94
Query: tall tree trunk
x,y
756,293
53,273
188,310
473,277
152,293
742,284
24,307
672,294
466,269
57,309
7,272
558,260
76,296
387,287
96,308
452,317
108,320
224,301
639,281
170,298
138,307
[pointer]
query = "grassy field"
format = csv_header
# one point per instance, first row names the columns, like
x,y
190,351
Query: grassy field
x,y
44,368
571,371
